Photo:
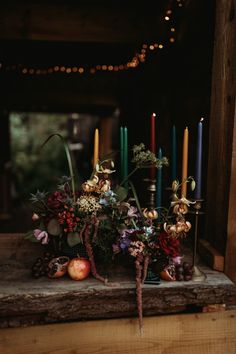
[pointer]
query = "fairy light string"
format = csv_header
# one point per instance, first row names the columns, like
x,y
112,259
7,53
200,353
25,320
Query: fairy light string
x,y
139,57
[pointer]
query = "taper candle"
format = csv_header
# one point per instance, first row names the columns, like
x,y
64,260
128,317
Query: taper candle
x,y
121,153
125,158
198,175
185,164
96,148
159,183
153,142
174,155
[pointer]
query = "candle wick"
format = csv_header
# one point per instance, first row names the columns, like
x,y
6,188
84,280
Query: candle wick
x,y
154,114
202,119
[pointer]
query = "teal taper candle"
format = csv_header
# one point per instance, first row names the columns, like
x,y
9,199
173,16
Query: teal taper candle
x,y
159,183
125,161
121,153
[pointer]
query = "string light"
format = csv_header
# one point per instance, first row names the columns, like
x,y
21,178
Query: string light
x,y
139,57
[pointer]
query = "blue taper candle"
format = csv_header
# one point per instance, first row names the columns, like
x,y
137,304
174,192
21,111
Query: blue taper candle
x,y
198,174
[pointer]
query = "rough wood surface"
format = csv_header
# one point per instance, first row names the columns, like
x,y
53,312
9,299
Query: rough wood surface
x,y
230,259
222,121
25,301
206,333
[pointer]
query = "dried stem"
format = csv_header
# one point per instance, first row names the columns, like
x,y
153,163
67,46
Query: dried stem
x,y
96,225
138,265
89,250
145,267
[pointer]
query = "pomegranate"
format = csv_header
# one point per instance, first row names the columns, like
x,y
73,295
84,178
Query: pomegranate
x,y
79,268
58,267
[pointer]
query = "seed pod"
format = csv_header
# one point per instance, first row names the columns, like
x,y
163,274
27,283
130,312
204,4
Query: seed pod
x,y
175,185
193,185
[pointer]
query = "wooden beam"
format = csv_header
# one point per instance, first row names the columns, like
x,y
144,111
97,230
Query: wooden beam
x,y
221,204
180,334
230,259
81,22
210,255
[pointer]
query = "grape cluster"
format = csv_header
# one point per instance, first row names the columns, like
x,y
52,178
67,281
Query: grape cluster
x,y
183,271
40,266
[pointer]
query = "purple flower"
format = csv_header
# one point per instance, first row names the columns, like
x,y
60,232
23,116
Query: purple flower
x,y
124,242
132,212
41,236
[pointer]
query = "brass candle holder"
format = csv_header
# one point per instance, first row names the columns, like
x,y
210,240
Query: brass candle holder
x,y
198,275
151,189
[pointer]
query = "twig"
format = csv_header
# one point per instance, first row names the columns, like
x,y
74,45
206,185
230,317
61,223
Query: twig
x,y
89,250
138,265
145,267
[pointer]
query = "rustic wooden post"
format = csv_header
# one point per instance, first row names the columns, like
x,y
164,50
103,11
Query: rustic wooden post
x,y
221,188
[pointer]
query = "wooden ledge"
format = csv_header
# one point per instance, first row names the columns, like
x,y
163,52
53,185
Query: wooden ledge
x,y
25,301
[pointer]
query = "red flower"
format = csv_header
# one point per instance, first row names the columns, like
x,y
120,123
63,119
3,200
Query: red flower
x,y
169,245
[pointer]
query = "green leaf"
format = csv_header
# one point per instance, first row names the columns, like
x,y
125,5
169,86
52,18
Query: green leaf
x,y
54,228
68,156
73,239
121,193
30,236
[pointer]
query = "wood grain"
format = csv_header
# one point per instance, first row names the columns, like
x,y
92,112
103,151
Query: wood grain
x,y
230,259
208,333
222,121
210,255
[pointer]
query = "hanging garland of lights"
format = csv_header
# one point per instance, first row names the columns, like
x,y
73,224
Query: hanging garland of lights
x,y
139,57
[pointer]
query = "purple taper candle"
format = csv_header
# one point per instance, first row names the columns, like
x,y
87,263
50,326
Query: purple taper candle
x,y
198,174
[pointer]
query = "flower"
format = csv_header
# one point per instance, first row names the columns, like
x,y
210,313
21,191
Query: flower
x,y
41,236
169,245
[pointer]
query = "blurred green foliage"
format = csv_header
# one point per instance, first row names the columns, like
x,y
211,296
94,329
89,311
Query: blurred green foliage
x,y
34,168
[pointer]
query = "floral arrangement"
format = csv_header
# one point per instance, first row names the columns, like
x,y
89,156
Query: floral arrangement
x,y
100,215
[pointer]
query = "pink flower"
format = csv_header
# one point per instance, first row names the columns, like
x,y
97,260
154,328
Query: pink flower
x,y
35,217
41,236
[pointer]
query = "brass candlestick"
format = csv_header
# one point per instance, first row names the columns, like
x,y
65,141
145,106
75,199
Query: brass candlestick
x,y
198,275
151,189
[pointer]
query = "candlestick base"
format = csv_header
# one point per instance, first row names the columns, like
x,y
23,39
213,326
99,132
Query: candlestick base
x,y
198,275
151,189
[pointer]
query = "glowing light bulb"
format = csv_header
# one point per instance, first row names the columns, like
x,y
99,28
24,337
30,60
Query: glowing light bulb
x,y
62,68
24,71
151,47
68,70
160,46
81,70
56,68
74,69
167,18
168,12
92,70
172,29
172,40
104,67
31,71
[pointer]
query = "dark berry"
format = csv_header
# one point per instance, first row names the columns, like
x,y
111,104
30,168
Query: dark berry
x,y
186,266
187,277
179,277
179,269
